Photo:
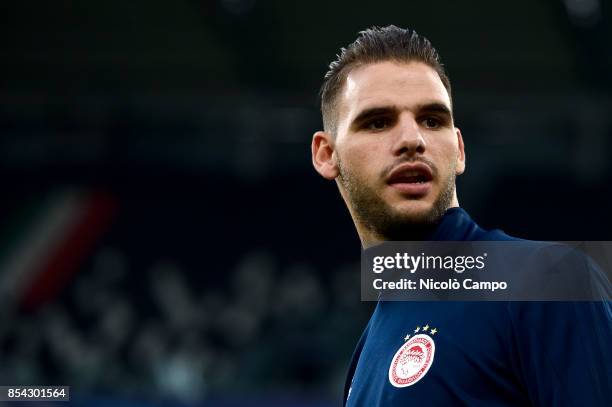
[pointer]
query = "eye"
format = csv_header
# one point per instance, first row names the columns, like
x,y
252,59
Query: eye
x,y
377,124
432,123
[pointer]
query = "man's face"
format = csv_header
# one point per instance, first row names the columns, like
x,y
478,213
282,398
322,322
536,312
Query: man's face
x,y
396,149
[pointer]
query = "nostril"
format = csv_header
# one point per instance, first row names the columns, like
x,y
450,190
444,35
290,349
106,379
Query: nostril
x,y
411,149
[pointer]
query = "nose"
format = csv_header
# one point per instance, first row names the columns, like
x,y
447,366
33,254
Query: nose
x,y
408,138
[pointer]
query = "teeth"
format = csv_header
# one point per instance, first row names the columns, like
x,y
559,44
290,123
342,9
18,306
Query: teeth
x,y
413,177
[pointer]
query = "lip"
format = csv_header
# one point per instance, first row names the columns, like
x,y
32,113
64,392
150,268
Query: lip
x,y
398,179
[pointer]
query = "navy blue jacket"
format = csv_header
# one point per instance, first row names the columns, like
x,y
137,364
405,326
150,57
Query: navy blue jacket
x,y
486,353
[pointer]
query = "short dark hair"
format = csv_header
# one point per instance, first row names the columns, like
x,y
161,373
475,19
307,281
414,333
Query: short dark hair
x,y
376,44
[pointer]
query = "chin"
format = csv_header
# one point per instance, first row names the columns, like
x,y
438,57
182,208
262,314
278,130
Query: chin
x,y
413,217
413,209
424,210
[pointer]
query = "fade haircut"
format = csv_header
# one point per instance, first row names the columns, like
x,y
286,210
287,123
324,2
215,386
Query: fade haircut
x,y
376,44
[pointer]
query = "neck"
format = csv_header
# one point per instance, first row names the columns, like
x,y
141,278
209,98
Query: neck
x,y
408,231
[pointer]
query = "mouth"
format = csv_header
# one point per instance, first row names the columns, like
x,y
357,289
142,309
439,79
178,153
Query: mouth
x,y
414,179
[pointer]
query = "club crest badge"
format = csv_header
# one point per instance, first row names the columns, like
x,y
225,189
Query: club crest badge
x,y
413,359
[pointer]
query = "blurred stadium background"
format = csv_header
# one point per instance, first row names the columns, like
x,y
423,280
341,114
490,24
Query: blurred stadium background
x,y
163,237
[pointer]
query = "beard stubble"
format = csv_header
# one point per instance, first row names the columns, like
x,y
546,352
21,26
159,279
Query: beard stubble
x,y
385,221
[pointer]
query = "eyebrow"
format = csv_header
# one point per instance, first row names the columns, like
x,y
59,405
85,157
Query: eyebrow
x,y
434,107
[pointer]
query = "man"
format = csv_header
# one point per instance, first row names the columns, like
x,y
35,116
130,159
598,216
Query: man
x,y
391,145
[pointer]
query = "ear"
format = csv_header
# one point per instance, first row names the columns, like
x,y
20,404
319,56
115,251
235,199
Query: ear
x,y
323,158
461,159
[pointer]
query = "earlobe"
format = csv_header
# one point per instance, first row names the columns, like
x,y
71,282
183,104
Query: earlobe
x,y
323,157
461,156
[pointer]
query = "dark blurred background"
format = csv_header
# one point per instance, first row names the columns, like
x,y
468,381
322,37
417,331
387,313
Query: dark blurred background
x,y
164,239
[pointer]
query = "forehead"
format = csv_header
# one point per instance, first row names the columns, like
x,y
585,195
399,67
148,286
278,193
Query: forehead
x,y
390,83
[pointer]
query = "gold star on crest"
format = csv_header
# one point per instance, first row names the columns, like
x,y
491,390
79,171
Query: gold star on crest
x,y
418,328
426,327
407,337
433,331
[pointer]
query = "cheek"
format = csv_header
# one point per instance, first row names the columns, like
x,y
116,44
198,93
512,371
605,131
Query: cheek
x,y
363,159
448,152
